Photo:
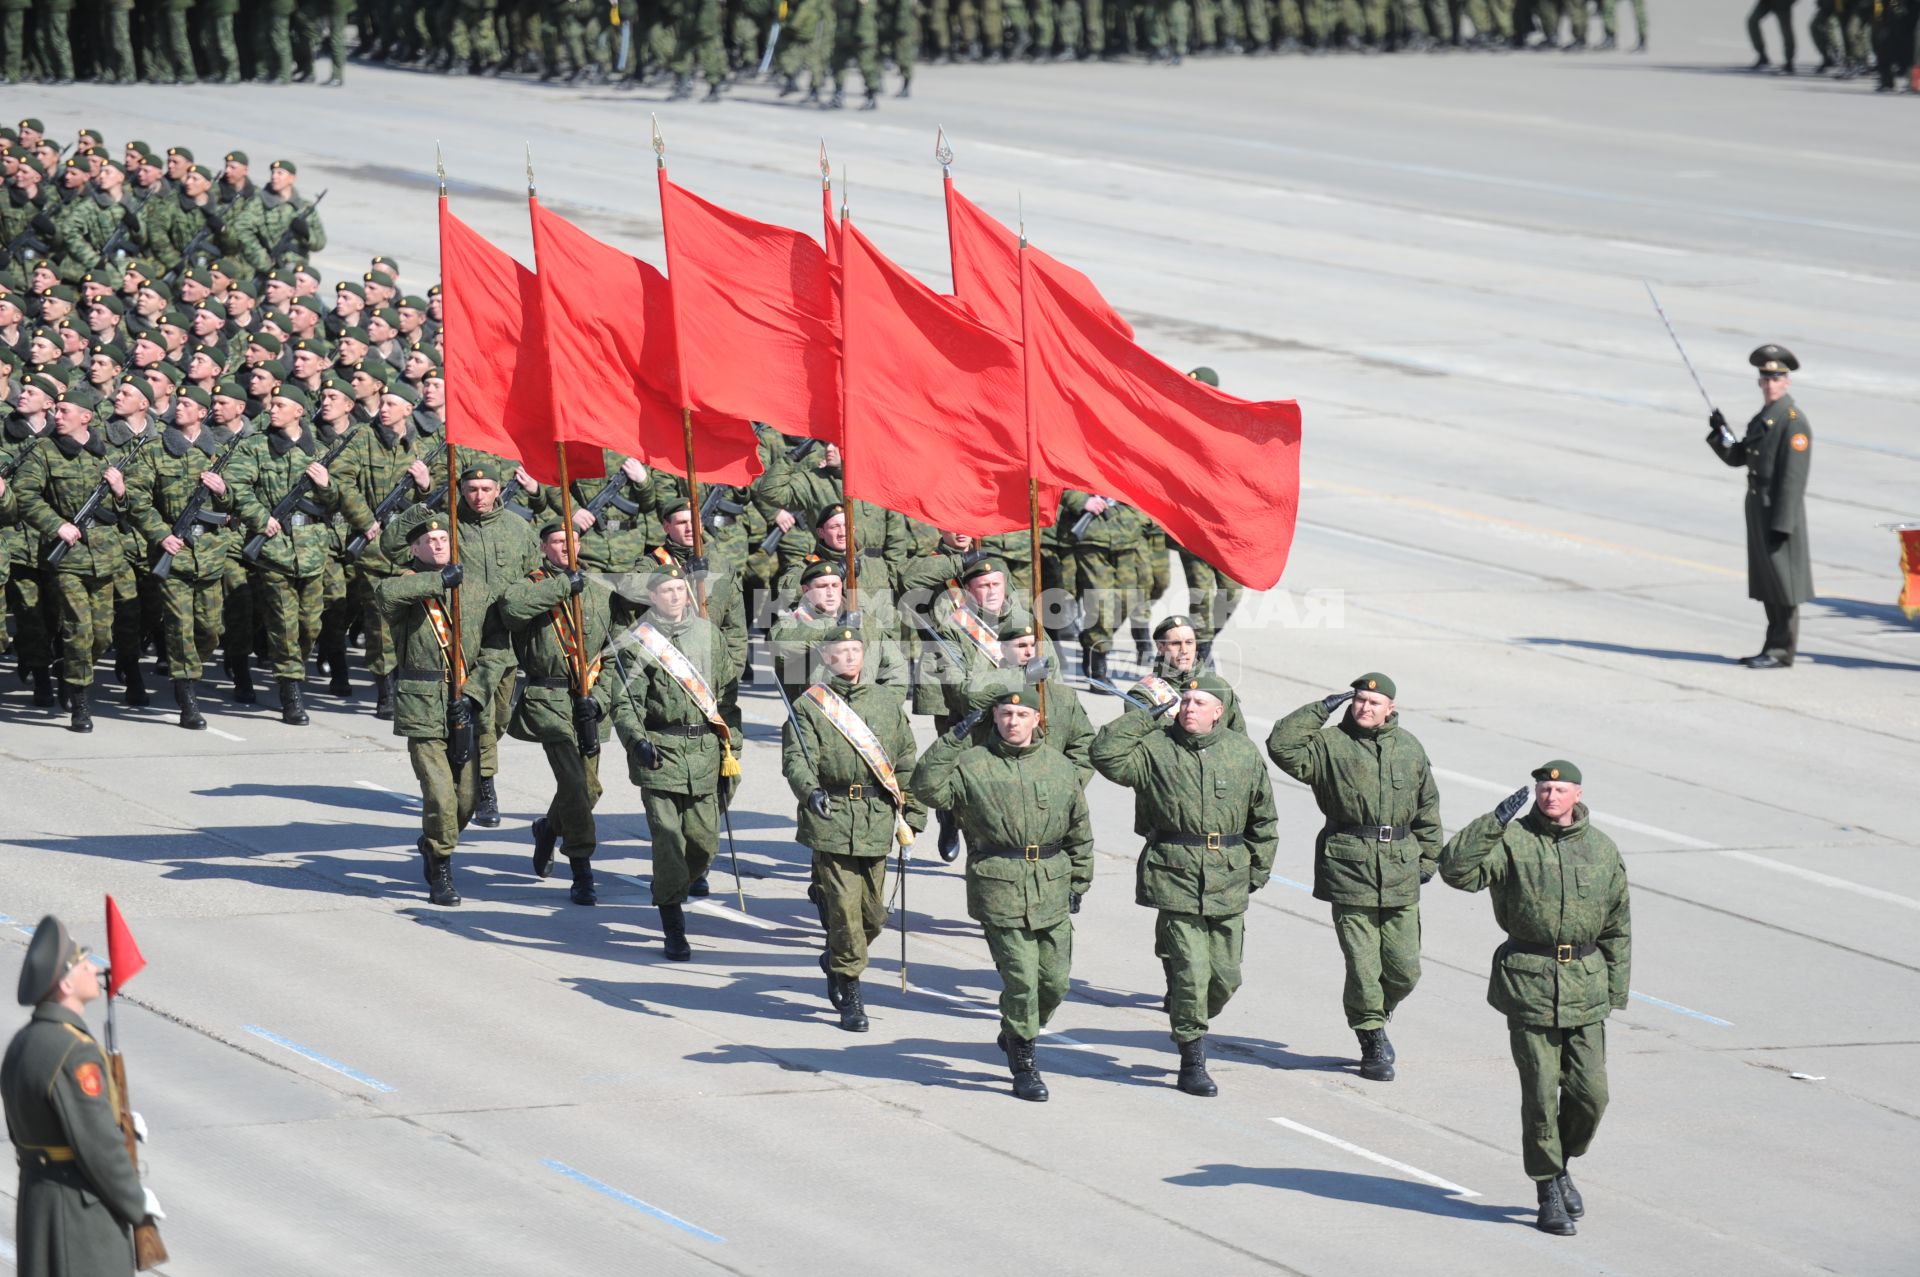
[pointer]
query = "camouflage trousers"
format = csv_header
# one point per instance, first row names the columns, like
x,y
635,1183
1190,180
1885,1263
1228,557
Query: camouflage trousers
x,y
855,908
192,622
685,832
1202,961
238,608
1382,952
381,657
1110,589
222,51
290,607
137,613
576,792
446,800
1034,966
313,17
1211,595
169,53
1563,1092
86,611
13,36
33,608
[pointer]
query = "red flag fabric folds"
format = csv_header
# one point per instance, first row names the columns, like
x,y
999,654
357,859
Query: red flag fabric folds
x,y
756,312
935,420
1220,474
986,269
607,319
123,955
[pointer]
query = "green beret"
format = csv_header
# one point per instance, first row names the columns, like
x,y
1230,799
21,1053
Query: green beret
x,y
173,375
212,352
32,125
335,382
551,524
273,368
63,292
983,568
139,384
434,291
277,318
197,395
213,306
412,302
111,302
267,342
247,286
488,470
827,512
93,135
288,165
379,277
432,357
682,506
111,351
664,573
348,286
1014,627
388,264
314,346
82,395
1375,683
51,386
180,151
378,369
821,567
401,390
230,268
295,394
281,275
228,388
1557,769
147,335
1212,684
199,170
29,160
845,630
304,303
356,333
160,288
174,317
237,157
50,955
1172,623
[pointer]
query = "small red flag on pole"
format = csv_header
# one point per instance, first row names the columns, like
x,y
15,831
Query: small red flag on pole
x,y
123,955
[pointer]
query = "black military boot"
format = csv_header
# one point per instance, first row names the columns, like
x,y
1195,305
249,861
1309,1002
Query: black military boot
x,y
1553,1217
190,716
948,842
1203,654
835,994
43,687
1194,1078
583,891
1570,1196
700,887
240,670
383,696
134,682
82,720
853,1008
1142,645
1027,1082
673,923
1374,1064
543,843
872,102
338,682
1096,664
486,806
291,710
440,888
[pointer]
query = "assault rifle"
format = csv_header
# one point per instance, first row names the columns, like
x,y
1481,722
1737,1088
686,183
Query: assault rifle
x,y
90,514
296,502
297,226
392,502
194,515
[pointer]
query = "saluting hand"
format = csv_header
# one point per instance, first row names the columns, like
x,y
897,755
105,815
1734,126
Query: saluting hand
x,y
1328,704
1510,805
964,728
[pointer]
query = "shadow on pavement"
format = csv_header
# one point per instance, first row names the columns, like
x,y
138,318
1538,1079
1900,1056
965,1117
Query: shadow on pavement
x,y
1346,1186
1718,658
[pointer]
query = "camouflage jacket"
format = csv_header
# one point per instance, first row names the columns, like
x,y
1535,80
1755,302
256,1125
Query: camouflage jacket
x,y
160,486
50,487
268,466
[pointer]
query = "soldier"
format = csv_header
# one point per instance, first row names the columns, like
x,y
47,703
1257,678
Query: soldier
x,y
28,598
1064,727
159,489
1178,656
310,17
497,549
718,592
1560,893
962,633
290,223
290,572
1106,569
822,606
1029,862
58,476
679,749
1782,13
843,751
1209,802
80,1194
1777,452
383,455
420,606
1380,844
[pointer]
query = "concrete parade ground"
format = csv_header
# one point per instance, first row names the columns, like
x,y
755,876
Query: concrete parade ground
x,y
1507,505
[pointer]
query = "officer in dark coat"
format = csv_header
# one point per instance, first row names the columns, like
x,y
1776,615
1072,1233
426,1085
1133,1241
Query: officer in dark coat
x,y
80,1195
1777,452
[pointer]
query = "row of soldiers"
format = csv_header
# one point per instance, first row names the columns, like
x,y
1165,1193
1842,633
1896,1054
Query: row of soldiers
x,y
1852,37
171,41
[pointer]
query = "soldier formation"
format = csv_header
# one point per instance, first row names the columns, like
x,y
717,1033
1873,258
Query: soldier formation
x,y
1854,38
206,462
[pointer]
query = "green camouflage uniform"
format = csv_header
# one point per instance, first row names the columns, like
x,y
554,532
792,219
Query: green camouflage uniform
x,y
1107,567
159,489
422,694
278,215
373,463
52,483
289,575
497,550
28,601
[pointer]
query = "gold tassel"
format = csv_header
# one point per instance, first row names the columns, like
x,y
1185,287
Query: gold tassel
x,y
729,765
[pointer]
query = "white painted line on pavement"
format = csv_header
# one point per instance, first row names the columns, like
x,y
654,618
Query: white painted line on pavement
x,y
1599,817
719,910
1372,1156
628,1199
1675,1006
1825,880
307,1052
407,799
7,1252
215,731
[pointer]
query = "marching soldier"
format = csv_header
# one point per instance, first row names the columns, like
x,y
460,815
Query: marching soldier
x,y
1065,726
27,596
497,550
1777,451
820,607
1180,654
1380,843
417,603
843,752
80,1194
1106,566
1029,861
1560,893
679,749
555,652
1209,802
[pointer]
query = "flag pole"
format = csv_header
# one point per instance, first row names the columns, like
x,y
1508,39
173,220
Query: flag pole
x,y
846,465
1033,478
457,665
686,407
944,153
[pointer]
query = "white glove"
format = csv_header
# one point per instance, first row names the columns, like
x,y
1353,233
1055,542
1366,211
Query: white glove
x,y
153,1205
139,1128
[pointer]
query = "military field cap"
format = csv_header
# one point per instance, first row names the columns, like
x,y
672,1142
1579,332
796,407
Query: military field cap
x,y
228,388
551,524
413,302
50,955
1015,627
1172,623
1375,683
1557,769
378,369
237,157
844,630
267,342
1212,684
488,470
139,384
80,394
379,277
164,369
664,573
296,395
401,390
348,286
681,506
1772,358
822,567
111,351
213,306
983,568
1013,696
197,395
288,165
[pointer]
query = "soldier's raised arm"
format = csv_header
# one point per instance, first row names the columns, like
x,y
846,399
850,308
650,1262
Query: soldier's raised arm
x,y
1474,858
1294,744
1116,751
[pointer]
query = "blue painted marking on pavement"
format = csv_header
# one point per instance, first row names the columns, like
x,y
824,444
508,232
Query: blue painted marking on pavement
x,y
628,1199
308,1052
1675,1006
1288,882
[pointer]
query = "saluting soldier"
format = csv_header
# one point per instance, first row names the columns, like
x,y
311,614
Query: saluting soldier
x,y
679,749
1777,451
555,652
1560,893
845,751
80,1194
1380,843
1209,803
1029,861
966,617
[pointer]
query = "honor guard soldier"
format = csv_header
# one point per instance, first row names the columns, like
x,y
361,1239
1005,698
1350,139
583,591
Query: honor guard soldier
x,y
1777,451
1208,800
1381,842
1559,891
80,1194
1179,654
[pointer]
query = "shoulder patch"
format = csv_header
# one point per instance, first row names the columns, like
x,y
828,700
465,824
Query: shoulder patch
x,y
89,1079
1798,443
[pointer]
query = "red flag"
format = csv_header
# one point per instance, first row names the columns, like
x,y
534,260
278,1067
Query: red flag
x,y
123,955
757,316
986,269
607,319
1220,474
935,421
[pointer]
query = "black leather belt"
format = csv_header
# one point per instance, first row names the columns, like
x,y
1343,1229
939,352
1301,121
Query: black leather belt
x,y
550,682
1032,851
683,729
1375,833
1212,842
859,791
421,676
1558,952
